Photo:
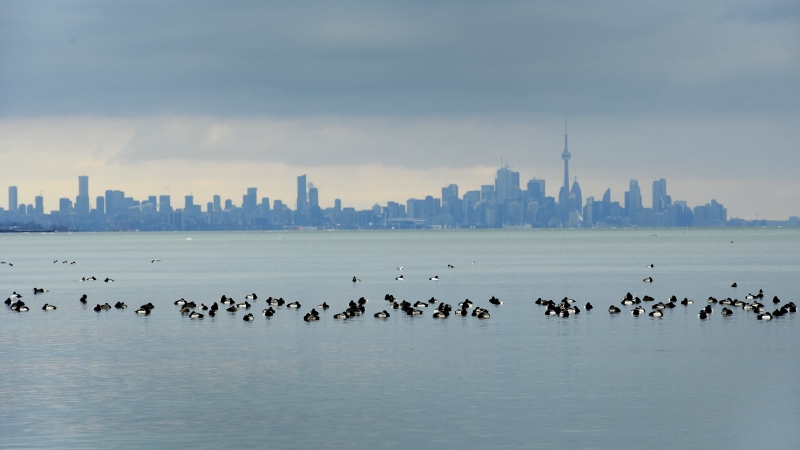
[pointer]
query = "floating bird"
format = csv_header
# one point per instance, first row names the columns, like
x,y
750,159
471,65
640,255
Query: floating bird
x,y
649,266
248,318
648,280
356,280
400,278
434,278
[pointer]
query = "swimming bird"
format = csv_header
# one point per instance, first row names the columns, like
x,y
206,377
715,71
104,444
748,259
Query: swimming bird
x,y
155,260
268,312
244,305
734,285
702,314
495,301
324,305
400,278
450,266
48,307
649,266
248,318
588,306
382,314
727,312
39,290
195,315
400,268
356,280
120,305
310,317
108,280
252,296
614,310
434,278
144,310
293,305
648,280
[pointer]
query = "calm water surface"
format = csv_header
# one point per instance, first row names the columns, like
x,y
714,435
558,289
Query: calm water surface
x,y
74,378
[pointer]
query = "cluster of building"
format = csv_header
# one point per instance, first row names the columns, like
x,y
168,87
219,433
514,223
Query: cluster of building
x,y
498,205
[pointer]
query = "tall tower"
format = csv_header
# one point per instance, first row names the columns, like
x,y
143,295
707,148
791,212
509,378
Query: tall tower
x,y
12,199
565,155
82,201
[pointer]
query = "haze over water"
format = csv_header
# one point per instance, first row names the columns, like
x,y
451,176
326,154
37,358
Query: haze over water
x,y
75,378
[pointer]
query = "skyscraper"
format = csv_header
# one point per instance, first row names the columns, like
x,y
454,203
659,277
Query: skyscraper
x,y
660,198
12,199
302,198
633,199
82,200
506,184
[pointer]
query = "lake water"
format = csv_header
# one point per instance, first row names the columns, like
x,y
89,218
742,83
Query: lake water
x,y
75,378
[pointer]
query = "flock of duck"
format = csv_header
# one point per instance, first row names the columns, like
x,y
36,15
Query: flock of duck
x,y
565,308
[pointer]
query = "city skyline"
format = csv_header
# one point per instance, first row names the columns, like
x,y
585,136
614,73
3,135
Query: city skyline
x,y
376,100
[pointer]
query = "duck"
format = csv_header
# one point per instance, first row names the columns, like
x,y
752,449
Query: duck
x,y
39,290
120,305
356,280
399,278
434,278
764,316
656,313
648,280
727,312
293,305
252,296
84,298
268,312
108,280
450,266
323,305
734,285
702,314
195,315
248,318
440,314
245,305
48,307
97,308
588,306
650,266
495,301
614,310
382,314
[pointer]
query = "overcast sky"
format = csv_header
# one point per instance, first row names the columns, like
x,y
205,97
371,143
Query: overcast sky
x,y
383,101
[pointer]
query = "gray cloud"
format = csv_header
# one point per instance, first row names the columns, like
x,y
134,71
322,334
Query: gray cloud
x,y
363,58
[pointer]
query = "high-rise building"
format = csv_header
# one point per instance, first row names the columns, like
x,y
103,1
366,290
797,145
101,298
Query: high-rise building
x,y
250,200
302,197
536,190
39,202
12,199
633,199
660,198
506,184
164,204
217,203
82,200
